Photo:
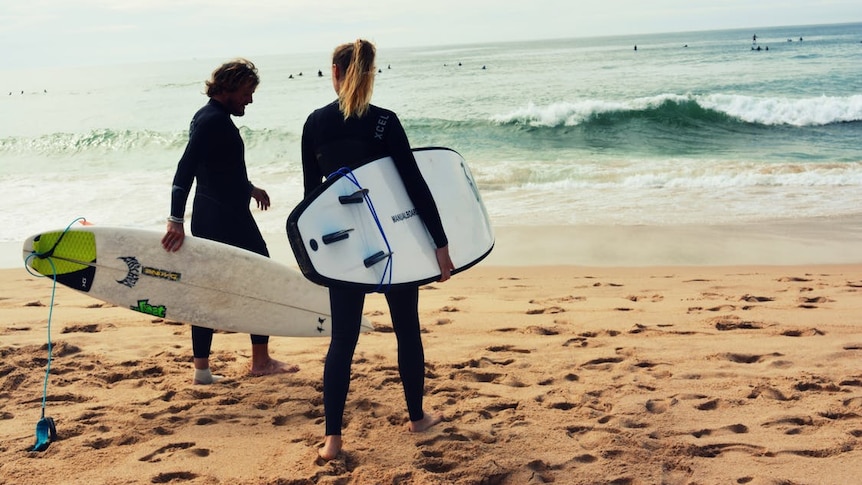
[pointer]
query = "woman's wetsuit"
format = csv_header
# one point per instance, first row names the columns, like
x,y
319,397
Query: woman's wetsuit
x,y
215,156
329,142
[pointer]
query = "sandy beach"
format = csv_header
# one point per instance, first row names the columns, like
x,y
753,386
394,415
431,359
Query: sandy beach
x,y
544,372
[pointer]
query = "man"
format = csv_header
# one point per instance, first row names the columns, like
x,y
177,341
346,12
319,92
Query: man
x,y
215,156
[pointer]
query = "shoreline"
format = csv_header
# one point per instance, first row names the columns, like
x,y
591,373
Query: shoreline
x,y
790,242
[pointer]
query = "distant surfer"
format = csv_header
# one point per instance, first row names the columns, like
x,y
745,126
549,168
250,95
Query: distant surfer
x,y
214,158
344,133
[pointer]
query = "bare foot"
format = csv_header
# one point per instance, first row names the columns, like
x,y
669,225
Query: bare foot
x,y
205,377
427,421
272,366
331,448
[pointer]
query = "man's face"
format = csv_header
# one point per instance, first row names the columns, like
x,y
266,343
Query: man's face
x,y
236,101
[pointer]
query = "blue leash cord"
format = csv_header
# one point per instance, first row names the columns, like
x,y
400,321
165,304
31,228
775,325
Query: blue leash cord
x,y
50,315
387,270
47,255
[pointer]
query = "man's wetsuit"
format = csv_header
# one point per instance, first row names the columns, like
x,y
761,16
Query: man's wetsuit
x,y
215,156
329,142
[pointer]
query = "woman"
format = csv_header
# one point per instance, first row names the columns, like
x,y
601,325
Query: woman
x,y
345,133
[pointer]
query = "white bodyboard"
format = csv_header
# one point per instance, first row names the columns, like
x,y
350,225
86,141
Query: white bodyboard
x,y
338,241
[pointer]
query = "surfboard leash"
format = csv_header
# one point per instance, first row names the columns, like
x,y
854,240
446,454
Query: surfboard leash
x,y
384,283
46,431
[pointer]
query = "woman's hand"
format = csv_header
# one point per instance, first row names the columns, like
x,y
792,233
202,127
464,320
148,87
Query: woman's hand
x,y
445,263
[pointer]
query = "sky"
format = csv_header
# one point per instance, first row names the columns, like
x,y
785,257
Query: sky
x,y
59,33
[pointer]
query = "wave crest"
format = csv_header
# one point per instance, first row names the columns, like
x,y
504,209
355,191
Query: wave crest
x,y
96,140
674,108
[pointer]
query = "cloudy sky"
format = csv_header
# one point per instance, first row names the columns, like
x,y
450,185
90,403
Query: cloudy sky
x,y
41,33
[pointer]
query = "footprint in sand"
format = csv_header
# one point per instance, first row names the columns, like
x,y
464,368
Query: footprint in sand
x,y
793,279
442,453
659,406
756,299
731,429
166,451
548,310
604,363
654,298
710,405
714,450
507,348
733,322
473,376
173,477
810,303
90,328
541,330
809,332
768,393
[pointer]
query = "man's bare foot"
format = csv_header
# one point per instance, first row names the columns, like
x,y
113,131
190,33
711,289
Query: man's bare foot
x,y
271,366
423,424
331,448
205,377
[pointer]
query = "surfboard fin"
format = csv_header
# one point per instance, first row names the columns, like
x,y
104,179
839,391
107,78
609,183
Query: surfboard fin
x,y
336,236
376,258
355,198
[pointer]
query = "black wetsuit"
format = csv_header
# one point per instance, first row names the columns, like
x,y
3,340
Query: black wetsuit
x,y
328,144
215,156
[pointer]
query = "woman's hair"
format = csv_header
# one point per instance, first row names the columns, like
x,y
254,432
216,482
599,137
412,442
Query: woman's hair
x,y
355,62
232,76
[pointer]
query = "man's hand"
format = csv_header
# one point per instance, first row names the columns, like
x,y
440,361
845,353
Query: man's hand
x,y
174,237
261,197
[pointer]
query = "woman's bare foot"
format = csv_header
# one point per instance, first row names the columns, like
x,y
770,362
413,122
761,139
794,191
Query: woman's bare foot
x,y
427,421
271,366
331,448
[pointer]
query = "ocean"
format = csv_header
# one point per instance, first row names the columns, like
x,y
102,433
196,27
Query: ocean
x,y
688,128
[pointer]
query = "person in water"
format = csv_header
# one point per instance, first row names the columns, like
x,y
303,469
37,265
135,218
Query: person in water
x,y
215,157
344,133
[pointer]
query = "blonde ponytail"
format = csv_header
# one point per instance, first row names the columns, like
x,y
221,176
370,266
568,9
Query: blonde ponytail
x,y
355,62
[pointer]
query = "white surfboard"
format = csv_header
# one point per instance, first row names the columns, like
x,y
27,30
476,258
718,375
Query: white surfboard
x,y
339,239
205,283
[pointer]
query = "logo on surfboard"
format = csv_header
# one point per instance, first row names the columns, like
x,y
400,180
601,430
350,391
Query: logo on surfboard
x,y
402,216
134,273
162,273
136,269
144,306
